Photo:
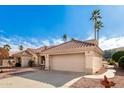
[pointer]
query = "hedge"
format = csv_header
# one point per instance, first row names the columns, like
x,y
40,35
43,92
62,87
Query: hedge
x,y
116,56
121,62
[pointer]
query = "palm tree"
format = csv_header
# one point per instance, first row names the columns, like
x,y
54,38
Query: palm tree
x,y
99,25
72,39
65,37
21,47
95,17
7,46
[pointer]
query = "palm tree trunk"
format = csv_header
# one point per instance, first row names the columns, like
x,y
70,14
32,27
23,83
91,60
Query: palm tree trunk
x,y
95,32
98,37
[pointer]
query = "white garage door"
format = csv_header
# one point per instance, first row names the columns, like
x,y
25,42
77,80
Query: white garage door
x,y
25,61
70,62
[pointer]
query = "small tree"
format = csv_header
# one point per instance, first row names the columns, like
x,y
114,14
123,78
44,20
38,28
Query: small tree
x,y
64,37
21,47
72,39
7,46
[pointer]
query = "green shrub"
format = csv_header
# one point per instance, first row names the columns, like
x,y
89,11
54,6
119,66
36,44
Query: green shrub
x,y
116,56
121,62
31,63
111,62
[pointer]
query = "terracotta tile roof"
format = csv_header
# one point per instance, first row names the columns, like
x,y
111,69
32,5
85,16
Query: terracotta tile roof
x,y
70,44
39,50
30,51
23,53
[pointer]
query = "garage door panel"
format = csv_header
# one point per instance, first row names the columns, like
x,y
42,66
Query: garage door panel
x,y
71,62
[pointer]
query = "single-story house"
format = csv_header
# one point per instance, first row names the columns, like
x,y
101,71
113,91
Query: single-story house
x,y
9,62
75,56
25,56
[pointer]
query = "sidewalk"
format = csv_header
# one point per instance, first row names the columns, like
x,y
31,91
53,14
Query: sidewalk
x,y
110,73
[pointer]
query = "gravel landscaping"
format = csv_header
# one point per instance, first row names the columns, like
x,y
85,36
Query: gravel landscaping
x,y
95,83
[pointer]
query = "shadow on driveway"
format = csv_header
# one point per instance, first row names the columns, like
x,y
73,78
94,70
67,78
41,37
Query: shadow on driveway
x,y
55,78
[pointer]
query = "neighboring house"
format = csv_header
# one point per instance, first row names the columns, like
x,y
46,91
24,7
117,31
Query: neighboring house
x,y
4,54
25,56
75,56
9,62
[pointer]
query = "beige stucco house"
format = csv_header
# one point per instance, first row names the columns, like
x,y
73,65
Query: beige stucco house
x,y
25,56
74,56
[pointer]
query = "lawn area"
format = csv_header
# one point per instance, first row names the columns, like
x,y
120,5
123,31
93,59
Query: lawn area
x,y
95,83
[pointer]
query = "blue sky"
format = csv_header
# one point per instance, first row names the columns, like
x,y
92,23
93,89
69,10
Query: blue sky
x,y
35,26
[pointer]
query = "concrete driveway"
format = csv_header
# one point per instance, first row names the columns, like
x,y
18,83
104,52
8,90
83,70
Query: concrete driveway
x,y
46,79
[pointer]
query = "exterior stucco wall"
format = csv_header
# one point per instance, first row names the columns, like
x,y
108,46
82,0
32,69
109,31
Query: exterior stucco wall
x,y
88,62
93,62
47,62
25,60
5,62
35,58
97,63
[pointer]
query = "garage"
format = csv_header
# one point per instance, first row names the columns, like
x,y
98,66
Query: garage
x,y
74,56
25,61
68,62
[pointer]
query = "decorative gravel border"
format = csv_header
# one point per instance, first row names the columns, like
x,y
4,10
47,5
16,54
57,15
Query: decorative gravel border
x,y
95,83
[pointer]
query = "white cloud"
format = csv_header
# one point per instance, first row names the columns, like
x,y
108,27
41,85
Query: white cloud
x,y
57,41
111,43
46,42
34,40
91,36
15,41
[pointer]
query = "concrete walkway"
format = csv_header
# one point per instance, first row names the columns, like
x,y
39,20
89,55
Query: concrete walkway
x,y
110,73
20,82
41,79
68,84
